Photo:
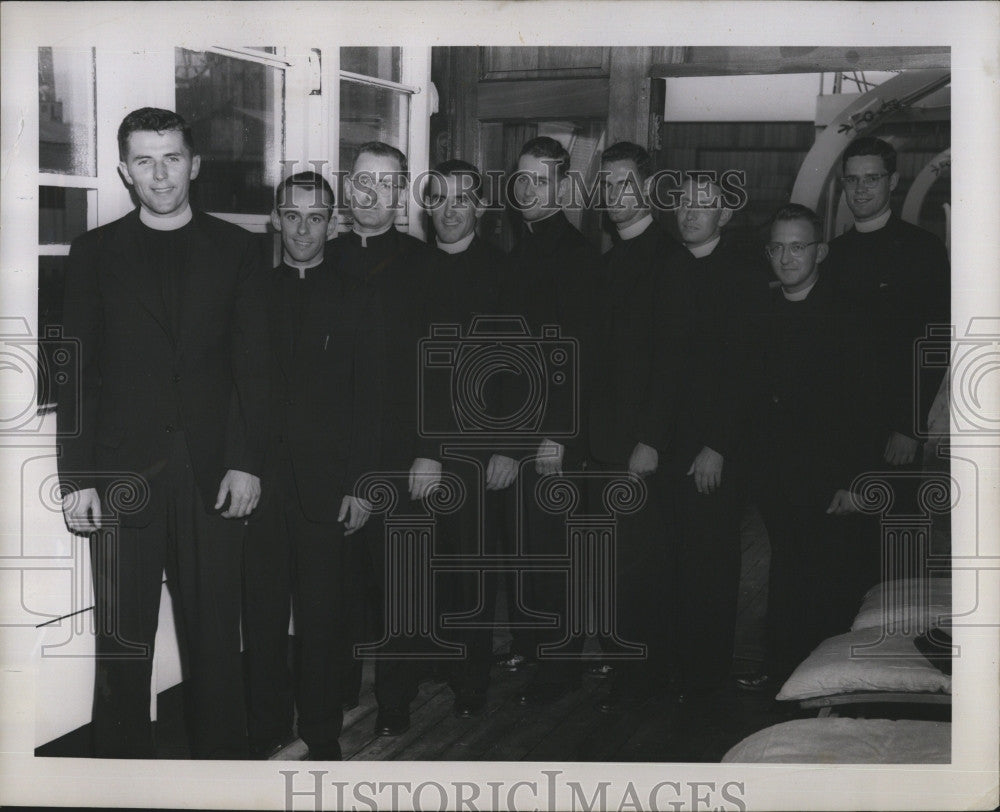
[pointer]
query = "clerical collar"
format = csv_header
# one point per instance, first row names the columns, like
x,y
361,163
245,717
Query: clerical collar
x,y
302,267
703,250
799,295
634,230
368,234
170,223
544,221
868,226
456,247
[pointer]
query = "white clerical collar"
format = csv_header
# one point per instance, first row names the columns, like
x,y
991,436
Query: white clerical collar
x,y
706,248
367,234
531,225
799,295
170,223
867,226
302,267
637,228
456,247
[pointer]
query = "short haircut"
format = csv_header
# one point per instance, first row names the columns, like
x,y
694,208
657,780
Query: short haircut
x,y
627,151
549,149
795,211
870,146
312,181
152,119
455,167
385,150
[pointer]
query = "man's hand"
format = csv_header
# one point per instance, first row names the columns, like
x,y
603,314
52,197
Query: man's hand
x,y
900,449
500,472
355,511
243,490
550,457
644,460
424,475
707,471
82,511
842,504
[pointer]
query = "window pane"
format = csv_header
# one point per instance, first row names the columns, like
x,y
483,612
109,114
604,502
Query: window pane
x,y
236,112
67,122
51,273
62,214
369,113
383,63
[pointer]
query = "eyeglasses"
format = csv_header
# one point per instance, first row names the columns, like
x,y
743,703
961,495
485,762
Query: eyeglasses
x,y
796,249
384,185
868,181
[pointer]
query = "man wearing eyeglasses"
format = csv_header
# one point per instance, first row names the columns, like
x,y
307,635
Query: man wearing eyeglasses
x,y
814,437
389,267
898,274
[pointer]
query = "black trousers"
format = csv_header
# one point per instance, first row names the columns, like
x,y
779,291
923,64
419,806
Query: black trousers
x,y
202,556
821,566
699,609
469,595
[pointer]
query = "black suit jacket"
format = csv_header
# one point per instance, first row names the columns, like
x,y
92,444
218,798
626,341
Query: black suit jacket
x,y
899,277
712,372
628,313
815,429
553,270
138,381
322,429
463,294
391,273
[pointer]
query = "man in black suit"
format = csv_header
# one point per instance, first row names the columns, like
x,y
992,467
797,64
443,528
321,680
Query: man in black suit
x,y
464,275
169,308
626,425
816,436
898,275
551,284
715,302
389,268
319,445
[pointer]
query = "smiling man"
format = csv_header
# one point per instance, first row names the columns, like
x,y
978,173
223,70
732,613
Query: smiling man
x,y
297,546
898,274
814,437
465,275
168,305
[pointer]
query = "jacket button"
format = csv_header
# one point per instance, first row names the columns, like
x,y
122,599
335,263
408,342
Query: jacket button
x,y
168,428
775,399
177,378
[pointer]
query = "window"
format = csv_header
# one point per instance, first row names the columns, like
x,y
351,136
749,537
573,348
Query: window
x,y
235,106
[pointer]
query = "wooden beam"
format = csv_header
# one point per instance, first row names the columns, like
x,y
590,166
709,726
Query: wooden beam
x,y
724,61
548,99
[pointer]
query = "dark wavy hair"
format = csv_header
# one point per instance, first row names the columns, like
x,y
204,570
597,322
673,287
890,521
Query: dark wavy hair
x,y
153,119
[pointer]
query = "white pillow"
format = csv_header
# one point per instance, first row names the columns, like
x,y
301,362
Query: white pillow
x,y
912,605
848,663
847,741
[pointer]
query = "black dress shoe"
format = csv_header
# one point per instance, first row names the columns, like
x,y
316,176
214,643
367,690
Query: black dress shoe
x,y
392,721
755,683
325,752
513,662
469,704
268,748
545,693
